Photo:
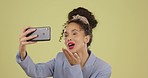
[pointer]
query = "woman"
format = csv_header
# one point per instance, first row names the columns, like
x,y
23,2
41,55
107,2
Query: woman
x,y
77,61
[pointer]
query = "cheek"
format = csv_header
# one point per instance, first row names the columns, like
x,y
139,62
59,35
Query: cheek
x,y
80,40
65,41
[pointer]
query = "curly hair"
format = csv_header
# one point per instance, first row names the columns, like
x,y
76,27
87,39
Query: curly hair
x,y
88,28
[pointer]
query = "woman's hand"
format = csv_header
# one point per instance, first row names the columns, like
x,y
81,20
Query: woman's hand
x,y
72,58
23,41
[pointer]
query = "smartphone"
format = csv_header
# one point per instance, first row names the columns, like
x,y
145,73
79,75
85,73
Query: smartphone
x,y
43,34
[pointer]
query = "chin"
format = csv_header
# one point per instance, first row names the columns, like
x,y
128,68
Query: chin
x,y
72,50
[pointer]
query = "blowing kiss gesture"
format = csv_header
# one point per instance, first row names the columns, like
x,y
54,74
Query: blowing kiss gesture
x,y
73,58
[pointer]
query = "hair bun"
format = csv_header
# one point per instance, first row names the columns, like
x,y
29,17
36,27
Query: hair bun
x,y
84,12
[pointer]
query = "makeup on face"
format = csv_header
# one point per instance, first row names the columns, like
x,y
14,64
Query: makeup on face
x,y
69,38
71,45
73,36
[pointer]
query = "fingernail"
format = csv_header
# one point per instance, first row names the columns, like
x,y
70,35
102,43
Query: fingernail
x,y
33,29
35,35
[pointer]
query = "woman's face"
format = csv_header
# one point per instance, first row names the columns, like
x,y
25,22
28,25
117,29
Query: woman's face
x,y
74,37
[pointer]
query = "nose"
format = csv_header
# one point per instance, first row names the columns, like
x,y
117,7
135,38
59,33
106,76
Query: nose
x,y
69,39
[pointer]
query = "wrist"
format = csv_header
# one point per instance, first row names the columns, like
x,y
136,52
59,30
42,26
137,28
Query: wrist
x,y
23,55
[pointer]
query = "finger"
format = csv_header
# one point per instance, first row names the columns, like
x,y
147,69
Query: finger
x,y
24,39
71,57
24,29
26,43
66,54
76,56
69,53
26,33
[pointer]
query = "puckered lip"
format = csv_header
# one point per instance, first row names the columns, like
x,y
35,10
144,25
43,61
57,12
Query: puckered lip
x,y
71,45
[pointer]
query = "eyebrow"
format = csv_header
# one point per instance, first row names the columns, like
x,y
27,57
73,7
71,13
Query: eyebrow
x,y
72,30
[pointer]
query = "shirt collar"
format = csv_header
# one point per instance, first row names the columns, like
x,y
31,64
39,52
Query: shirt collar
x,y
91,59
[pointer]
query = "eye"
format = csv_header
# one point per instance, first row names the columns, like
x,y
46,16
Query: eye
x,y
75,33
65,35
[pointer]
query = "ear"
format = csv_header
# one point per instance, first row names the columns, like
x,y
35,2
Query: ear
x,y
86,39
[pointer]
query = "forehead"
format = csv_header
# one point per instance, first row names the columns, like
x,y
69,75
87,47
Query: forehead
x,y
72,26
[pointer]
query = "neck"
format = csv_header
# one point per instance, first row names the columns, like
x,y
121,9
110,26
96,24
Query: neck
x,y
83,56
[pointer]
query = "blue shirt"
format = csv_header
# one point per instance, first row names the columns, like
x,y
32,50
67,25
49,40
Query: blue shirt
x,y
59,67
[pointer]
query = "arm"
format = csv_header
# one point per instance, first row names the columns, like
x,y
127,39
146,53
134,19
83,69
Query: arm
x,y
104,73
74,71
39,70
31,69
74,68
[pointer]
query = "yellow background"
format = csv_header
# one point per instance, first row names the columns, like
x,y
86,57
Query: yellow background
x,y
121,37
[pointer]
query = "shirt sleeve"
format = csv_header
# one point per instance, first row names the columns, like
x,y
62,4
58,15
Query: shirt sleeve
x,y
74,71
68,70
105,73
40,70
